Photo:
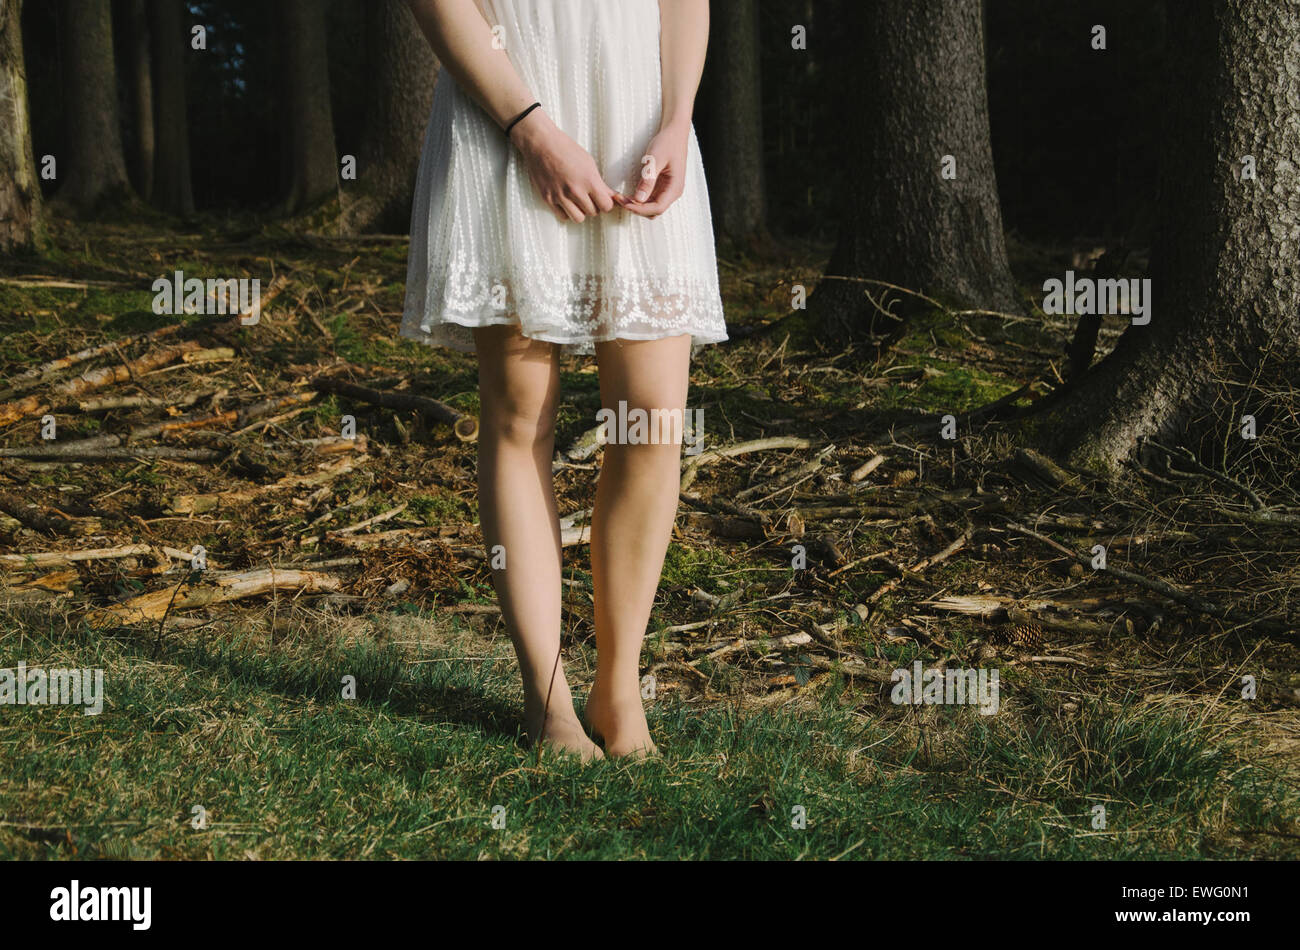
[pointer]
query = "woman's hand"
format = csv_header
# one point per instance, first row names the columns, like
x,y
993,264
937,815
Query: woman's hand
x,y
562,171
663,172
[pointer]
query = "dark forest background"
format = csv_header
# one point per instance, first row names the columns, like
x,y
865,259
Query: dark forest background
x,y
1076,139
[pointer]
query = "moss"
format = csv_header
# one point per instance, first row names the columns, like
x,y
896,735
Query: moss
x,y
687,568
441,508
348,343
466,401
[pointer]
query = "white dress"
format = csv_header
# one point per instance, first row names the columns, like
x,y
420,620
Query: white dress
x,y
485,248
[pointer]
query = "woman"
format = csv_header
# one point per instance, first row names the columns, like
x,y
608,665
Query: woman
x,y
561,207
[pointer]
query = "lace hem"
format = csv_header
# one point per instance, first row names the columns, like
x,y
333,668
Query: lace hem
x,y
572,310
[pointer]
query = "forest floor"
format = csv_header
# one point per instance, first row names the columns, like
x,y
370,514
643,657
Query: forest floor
x,y
1147,708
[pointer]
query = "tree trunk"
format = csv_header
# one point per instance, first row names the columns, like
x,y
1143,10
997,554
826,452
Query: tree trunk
x,y
92,168
403,71
918,77
173,190
1224,274
309,124
20,195
142,97
734,122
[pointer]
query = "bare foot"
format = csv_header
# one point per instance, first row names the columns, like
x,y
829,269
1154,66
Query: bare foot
x,y
565,735
620,725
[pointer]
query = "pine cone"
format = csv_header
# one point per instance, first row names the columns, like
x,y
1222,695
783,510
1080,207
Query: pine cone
x,y
1026,635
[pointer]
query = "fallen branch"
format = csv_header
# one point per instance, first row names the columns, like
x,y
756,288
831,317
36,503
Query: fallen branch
x,y
721,506
98,378
60,283
76,451
1083,628
212,589
921,565
852,668
1176,594
878,556
790,479
275,404
587,444
1189,459
43,559
726,526
1265,516
692,466
143,402
464,426
826,633
327,472
181,424
866,468
775,643
984,606
1040,465
838,512
361,525
50,521
37,375
1066,660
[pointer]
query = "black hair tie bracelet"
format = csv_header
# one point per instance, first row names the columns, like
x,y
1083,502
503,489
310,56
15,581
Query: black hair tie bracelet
x,y
521,116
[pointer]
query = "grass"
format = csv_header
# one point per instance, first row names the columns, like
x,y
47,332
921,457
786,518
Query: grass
x,y
256,733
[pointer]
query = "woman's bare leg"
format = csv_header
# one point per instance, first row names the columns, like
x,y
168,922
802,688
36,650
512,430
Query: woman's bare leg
x,y
631,522
519,383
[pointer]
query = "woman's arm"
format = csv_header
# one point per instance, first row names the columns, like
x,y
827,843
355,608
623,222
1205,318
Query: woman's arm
x,y
561,170
683,43
462,40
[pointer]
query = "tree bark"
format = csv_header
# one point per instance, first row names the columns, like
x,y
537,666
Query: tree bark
x,y
20,195
1224,272
309,126
918,78
403,71
93,167
142,98
173,190
734,122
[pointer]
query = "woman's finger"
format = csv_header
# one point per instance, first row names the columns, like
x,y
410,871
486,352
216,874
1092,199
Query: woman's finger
x,y
659,203
651,172
582,201
605,197
652,209
645,188
572,210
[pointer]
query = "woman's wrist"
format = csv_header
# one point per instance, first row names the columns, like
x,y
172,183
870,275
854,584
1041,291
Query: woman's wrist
x,y
679,122
531,128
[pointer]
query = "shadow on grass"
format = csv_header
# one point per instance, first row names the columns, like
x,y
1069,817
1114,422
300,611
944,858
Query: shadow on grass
x,y
384,677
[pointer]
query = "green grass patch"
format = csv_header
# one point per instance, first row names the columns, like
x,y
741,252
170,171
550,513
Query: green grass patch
x,y
261,738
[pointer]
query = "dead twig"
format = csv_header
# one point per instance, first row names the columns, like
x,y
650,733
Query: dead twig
x,y
693,465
